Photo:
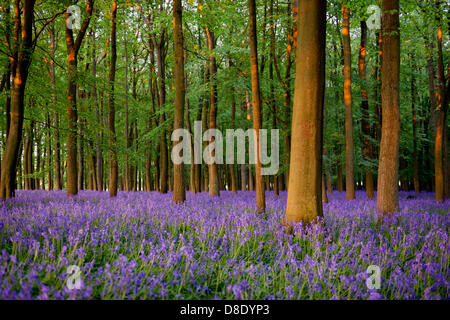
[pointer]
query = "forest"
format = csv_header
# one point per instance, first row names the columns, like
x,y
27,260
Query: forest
x,y
224,149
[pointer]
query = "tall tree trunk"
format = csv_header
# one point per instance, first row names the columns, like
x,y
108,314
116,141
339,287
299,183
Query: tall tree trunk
x,y
126,175
349,154
414,127
272,88
99,150
113,167
160,60
256,102
179,194
80,144
28,157
367,151
387,196
213,177
440,154
305,179
58,184
73,46
187,112
37,180
233,124
205,112
49,153
20,62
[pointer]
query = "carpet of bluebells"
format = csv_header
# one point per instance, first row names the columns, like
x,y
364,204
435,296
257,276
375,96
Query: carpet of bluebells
x,y
141,246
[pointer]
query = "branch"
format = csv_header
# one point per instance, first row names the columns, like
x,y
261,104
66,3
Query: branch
x,y
84,26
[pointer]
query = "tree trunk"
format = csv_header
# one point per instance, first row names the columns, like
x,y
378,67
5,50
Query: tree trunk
x,y
256,102
99,150
387,196
113,167
367,150
71,117
440,154
213,177
160,60
179,194
414,127
20,62
324,190
304,201
243,177
49,153
233,125
28,157
349,175
73,46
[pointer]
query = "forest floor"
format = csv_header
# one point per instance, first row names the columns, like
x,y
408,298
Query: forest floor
x,y
141,246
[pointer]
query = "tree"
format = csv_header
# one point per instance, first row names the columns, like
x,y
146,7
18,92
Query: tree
x,y
213,177
414,127
440,151
179,194
349,150
387,195
365,111
260,194
73,47
113,167
305,178
20,62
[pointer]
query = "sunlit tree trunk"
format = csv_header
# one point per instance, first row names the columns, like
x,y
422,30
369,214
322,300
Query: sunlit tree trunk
x,y
20,61
387,196
73,46
349,154
256,103
440,154
305,179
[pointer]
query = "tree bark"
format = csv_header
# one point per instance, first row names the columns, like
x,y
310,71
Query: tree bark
x,y
367,150
113,167
305,179
440,157
160,58
414,127
387,196
20,62
256,102
73,46
213,177
349,149
179,194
